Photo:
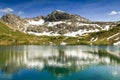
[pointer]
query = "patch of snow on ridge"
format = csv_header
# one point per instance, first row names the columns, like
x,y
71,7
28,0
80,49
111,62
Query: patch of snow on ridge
x,y
94,39
40,22
107,27
117,38
25,27
117,43
63,43
71,34
86,24
80,32
54,23
69,23
113,36
43,34
91,40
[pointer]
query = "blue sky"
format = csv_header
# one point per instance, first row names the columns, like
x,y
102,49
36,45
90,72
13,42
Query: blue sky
x,y
95,10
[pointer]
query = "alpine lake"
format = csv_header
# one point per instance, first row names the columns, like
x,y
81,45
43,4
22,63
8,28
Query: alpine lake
x,y
59,62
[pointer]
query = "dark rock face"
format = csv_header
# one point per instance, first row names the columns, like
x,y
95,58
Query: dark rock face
x,y
57,16
61,16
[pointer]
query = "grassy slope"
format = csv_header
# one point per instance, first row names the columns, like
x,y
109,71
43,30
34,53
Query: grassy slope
x,y
103,36
9,37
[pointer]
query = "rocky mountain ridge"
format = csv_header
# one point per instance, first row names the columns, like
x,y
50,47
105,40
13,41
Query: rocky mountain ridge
x,y
58,23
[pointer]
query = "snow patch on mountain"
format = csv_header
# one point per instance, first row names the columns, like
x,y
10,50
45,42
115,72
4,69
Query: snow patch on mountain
x,y
80,32
107,27
63,43
116,38
86,24
113,36
85,28
72,34
33,22
93,39
69,23
50,24
117,43
44,33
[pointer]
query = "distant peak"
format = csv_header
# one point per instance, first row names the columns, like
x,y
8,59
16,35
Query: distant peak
x,y
9,14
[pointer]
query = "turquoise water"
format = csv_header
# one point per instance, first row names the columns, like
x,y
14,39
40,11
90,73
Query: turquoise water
x,y
34,62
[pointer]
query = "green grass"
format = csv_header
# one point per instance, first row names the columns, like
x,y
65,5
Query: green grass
x,y
9,36
103,35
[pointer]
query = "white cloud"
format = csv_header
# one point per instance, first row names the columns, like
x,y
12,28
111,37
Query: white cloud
x,y
114,13
6,10
20,12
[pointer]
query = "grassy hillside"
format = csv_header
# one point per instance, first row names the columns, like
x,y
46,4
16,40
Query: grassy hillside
x,y
11,37
105,37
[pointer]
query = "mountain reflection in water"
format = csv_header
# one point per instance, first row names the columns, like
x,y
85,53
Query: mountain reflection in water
x,y
58,61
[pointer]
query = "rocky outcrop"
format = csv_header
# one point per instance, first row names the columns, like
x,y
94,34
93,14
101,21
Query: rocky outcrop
x,y
61,16
13,21
10,18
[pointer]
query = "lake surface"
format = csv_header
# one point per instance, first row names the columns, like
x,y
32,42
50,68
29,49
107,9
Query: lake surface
x,y
70,62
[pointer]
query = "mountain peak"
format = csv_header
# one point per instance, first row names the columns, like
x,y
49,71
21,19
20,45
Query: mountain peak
x,y
10,17
59,15
58,11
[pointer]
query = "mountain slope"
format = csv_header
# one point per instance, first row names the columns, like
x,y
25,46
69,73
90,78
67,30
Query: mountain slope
x,y
9,36
105,37
59,15
59,27
58,23
13,37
